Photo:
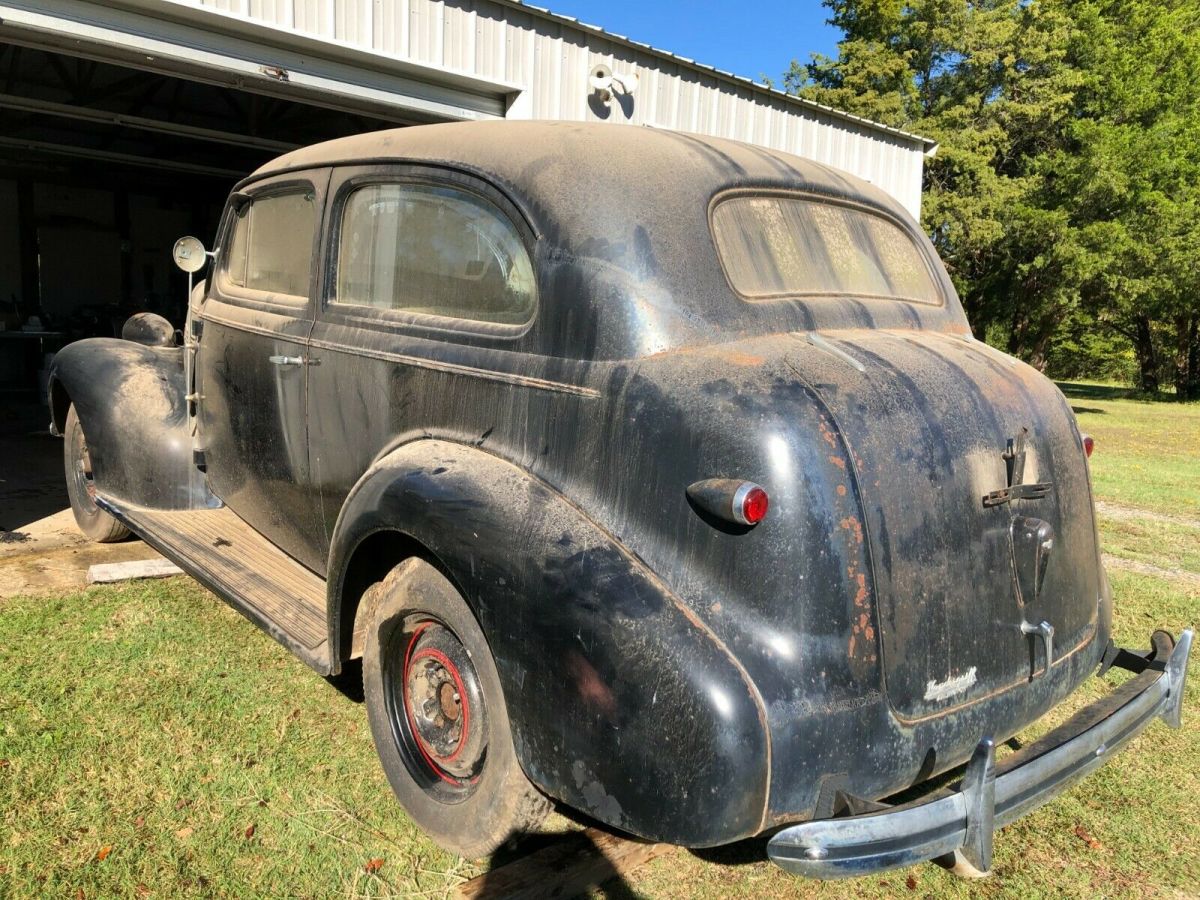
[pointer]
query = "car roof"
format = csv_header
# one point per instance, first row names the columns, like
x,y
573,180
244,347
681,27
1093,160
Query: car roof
x,y
544,161
625,253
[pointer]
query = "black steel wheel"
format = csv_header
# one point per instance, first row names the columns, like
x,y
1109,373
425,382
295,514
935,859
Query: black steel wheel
x,y
436,707
95,523
438,715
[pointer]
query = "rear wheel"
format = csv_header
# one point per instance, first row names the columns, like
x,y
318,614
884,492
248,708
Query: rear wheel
x,y
94,522
438,715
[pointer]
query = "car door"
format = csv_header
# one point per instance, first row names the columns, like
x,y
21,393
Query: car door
x,y
253,362
430,288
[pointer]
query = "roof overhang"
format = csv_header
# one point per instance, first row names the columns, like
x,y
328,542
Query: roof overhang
x,y
208,45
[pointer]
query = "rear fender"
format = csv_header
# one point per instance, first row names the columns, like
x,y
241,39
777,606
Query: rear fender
x,y
130,401
622,703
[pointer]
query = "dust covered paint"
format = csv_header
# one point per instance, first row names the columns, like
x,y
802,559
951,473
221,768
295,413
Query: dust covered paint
x,y
681,677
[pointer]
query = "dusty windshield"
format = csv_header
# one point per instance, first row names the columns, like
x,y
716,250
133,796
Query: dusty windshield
x,y
775,245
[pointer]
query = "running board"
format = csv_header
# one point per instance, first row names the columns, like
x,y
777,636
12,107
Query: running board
x,y
243,568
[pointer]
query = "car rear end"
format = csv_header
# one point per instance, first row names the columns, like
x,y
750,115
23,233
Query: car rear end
x,y
927,581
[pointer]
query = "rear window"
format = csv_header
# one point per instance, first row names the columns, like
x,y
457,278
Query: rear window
x,y
782,246
271,245
433,251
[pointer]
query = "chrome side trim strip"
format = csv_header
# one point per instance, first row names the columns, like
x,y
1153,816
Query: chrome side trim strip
x,y
526,381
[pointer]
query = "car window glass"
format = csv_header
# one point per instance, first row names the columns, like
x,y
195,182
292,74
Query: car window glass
x,y
779,246
432,251
270,248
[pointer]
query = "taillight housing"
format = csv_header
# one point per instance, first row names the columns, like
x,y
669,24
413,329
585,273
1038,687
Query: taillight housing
x,y
1088,445
731,499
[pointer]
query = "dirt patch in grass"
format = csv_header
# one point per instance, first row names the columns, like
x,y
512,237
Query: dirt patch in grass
x,y
1116,511
1142,568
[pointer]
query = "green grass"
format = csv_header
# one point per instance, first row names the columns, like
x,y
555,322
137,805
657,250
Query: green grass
x,y
1147,454
152,720
1163,544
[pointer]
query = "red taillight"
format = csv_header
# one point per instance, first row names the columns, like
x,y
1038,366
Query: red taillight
x,y
730,499
754,505
1088,444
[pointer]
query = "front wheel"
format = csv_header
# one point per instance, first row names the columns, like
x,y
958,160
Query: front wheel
x,y
95,523
438,715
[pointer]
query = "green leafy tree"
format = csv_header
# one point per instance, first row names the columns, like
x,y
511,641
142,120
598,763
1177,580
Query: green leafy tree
x,y
1063,195
1130,177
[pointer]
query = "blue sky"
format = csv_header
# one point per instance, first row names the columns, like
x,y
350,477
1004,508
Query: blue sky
x,y
751,39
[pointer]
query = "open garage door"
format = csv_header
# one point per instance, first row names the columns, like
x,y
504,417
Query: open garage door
x,y
204,44
121,130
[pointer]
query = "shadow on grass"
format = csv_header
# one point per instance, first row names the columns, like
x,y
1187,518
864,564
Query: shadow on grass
x,y
1077,391
348,682
743,853
536,864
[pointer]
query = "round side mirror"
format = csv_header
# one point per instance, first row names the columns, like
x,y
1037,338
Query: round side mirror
x,y
189,254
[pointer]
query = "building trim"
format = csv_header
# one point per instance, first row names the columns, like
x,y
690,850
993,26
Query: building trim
x,y
219,48
928,145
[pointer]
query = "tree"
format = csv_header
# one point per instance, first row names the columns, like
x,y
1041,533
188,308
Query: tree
x,y
1064,194
1131,180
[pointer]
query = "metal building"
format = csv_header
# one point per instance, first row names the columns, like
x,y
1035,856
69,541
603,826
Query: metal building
x,y
123,122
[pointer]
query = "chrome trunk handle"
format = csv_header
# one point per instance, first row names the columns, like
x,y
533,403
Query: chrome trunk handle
x,y
1046,631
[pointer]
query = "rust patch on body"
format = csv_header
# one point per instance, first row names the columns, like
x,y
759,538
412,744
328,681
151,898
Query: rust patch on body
x,y
827,433
739,358
851,524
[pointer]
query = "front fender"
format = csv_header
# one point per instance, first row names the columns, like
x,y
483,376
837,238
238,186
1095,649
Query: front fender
x,y
130,401
622,703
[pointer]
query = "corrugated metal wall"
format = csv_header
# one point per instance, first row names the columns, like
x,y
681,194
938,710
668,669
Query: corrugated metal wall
x,y
551,59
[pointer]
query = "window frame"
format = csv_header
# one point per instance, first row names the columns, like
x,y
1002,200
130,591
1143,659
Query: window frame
x,y
424,323
918,241
242,295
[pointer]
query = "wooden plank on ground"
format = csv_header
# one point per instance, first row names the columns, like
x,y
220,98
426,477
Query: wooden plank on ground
x,y
581,861
106,573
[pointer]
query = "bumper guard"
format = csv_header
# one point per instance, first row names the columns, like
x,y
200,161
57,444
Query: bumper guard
x,y
957,825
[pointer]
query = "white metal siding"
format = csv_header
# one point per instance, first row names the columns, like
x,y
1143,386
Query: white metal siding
x,y
550,59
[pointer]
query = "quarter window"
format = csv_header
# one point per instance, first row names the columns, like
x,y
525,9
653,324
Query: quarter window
x,y
270,248
434,251
781,246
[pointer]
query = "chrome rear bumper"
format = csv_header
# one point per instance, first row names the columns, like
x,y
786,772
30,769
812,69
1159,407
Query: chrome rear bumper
x,y
958,824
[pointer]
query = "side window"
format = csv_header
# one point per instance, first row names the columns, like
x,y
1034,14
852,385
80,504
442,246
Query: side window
x,y
270,247
433,251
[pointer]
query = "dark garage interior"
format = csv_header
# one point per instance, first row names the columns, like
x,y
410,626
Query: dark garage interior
x,y
102,168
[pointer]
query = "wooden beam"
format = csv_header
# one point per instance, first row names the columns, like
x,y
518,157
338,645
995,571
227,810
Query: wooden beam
x,y
579,862
107,573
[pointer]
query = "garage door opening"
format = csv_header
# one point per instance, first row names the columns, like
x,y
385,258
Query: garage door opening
x,y
102,167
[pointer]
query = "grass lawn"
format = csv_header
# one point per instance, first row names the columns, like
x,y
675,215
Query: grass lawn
x,y
1146,454
154,743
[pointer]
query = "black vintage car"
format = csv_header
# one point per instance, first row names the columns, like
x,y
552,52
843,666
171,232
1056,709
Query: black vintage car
x,y
656,474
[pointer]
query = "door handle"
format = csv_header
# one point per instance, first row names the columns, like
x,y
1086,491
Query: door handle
x,y
287,360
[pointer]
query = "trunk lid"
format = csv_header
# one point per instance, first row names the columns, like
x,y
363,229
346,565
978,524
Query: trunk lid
x,y
934,424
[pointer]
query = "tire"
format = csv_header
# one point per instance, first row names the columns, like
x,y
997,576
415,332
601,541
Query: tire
x,y
95,523
438,715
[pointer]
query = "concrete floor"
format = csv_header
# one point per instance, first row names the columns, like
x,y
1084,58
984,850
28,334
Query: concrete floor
x,y
41,550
